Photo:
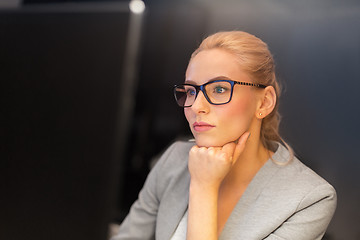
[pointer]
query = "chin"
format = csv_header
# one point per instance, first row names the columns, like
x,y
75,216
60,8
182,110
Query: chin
x,y
212,141
209,142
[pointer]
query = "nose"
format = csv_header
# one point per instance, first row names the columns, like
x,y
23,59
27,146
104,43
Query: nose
x,y
200,105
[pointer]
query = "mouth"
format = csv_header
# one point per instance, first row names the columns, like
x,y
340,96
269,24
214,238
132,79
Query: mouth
x,y
202,126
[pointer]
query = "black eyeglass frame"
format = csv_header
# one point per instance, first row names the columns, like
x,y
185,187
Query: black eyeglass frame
x,y
199,88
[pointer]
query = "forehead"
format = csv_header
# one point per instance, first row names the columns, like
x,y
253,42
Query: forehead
x,y
211,64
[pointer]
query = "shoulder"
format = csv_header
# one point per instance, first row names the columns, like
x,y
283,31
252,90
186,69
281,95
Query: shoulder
x,y
289,195
172,167
176,154
296,171
299,181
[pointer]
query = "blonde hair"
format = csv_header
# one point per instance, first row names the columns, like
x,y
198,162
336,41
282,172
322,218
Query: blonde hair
x,y
256,60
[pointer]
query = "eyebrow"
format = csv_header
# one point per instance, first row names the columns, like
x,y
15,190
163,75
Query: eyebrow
x,y
212,79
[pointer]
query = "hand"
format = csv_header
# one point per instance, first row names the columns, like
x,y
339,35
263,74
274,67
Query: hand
x,y
209,166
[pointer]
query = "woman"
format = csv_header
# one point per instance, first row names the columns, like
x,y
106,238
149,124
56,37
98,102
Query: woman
x,y
237,181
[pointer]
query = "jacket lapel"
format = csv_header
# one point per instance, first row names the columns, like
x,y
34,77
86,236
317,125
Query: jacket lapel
x,y
249,208
174,203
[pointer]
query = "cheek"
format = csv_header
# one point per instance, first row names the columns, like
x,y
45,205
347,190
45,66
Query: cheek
x,y
187,114
240,108
239,115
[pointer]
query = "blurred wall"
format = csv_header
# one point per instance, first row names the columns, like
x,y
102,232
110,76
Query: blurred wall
x,y
316,45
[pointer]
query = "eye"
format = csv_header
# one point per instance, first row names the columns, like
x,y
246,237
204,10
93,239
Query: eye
x,y
191,92
219,89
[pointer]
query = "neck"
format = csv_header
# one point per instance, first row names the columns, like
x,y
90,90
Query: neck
x,y
249,162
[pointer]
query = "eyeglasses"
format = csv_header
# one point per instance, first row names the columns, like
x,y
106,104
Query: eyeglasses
x,y
216,92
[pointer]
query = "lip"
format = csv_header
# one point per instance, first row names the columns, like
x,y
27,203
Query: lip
x,y
202,126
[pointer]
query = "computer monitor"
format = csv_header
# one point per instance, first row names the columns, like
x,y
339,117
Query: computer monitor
x,y
61,118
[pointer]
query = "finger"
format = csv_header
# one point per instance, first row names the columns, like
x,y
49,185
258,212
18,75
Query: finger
x,y
194,149
228,149
212,151
240,146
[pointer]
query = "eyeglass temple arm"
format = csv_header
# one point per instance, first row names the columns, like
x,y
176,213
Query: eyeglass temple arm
x,y
251,84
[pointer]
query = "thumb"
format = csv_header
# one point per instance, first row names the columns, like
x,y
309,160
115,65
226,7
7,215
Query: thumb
x,y
229,150
240,146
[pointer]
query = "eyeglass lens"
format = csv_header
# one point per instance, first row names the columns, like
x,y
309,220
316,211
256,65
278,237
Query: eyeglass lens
x,y
216,92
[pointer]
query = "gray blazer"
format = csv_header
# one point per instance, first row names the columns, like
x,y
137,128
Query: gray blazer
x,y
281,202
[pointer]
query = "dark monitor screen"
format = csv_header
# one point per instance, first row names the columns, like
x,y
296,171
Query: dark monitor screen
x,y
60,89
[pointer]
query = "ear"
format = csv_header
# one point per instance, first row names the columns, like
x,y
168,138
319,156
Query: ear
x,y
267,102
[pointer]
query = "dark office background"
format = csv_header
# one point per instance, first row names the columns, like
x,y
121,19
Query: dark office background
x,y
316,45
